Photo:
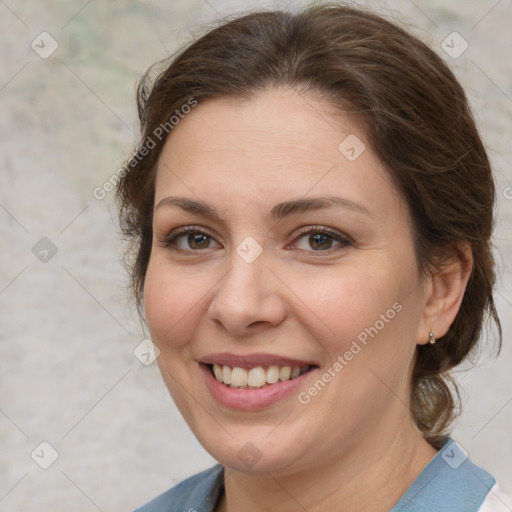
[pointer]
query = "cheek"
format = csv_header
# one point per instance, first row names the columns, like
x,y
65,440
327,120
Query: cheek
x,y
170,303
348,302
368,317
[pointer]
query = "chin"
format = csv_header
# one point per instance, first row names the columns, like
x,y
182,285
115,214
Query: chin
x,y
253,454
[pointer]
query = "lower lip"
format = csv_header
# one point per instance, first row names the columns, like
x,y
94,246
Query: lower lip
x,y
251,399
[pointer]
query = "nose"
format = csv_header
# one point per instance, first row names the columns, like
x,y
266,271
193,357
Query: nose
x,y
247,299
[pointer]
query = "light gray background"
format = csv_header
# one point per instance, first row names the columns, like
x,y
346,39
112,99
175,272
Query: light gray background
x,y
68,373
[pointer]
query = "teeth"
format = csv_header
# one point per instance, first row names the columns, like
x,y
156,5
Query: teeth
x,y
219,372
273,374
226,374
257,377
238,377
285,373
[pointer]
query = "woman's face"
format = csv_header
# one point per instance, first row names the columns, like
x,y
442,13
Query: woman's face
x,y
297,257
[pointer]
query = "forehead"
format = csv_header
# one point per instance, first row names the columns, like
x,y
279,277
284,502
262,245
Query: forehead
x,y
281,121
277,144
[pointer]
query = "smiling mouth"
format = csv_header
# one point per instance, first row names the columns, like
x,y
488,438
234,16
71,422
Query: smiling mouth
x,y
258,377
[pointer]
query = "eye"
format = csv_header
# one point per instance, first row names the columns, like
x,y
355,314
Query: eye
x,y
312,239
189,238
320,239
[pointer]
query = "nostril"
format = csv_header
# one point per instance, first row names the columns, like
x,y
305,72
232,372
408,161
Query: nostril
x,y
257,323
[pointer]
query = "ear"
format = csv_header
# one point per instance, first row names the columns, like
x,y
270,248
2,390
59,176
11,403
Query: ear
x,y
444,292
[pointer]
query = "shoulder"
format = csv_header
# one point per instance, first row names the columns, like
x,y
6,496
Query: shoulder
x,y
451,482
496,501
199,493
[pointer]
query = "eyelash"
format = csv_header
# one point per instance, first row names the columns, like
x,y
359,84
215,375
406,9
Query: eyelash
x,y
344,241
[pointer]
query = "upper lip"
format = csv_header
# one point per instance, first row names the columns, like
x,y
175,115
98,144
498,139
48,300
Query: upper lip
x,y
252,360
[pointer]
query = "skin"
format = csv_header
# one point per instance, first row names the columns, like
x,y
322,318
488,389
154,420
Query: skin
x,y
355,442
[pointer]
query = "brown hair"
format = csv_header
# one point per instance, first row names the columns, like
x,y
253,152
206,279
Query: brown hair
x,y
416,119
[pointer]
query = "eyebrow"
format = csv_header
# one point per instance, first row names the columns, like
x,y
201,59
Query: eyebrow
x,y
278,212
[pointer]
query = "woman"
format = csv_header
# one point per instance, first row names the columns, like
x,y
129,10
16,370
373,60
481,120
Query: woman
x,y
311,208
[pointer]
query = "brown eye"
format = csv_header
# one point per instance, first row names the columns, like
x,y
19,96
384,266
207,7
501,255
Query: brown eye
x,y
189,240
198,241
320,239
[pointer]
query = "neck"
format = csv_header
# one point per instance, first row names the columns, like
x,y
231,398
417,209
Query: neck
x,y
371,476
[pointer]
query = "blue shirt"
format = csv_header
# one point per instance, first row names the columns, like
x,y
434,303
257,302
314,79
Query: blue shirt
x,y
449,483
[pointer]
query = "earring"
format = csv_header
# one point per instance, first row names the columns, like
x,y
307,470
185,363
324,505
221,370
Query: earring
x,y
432,337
